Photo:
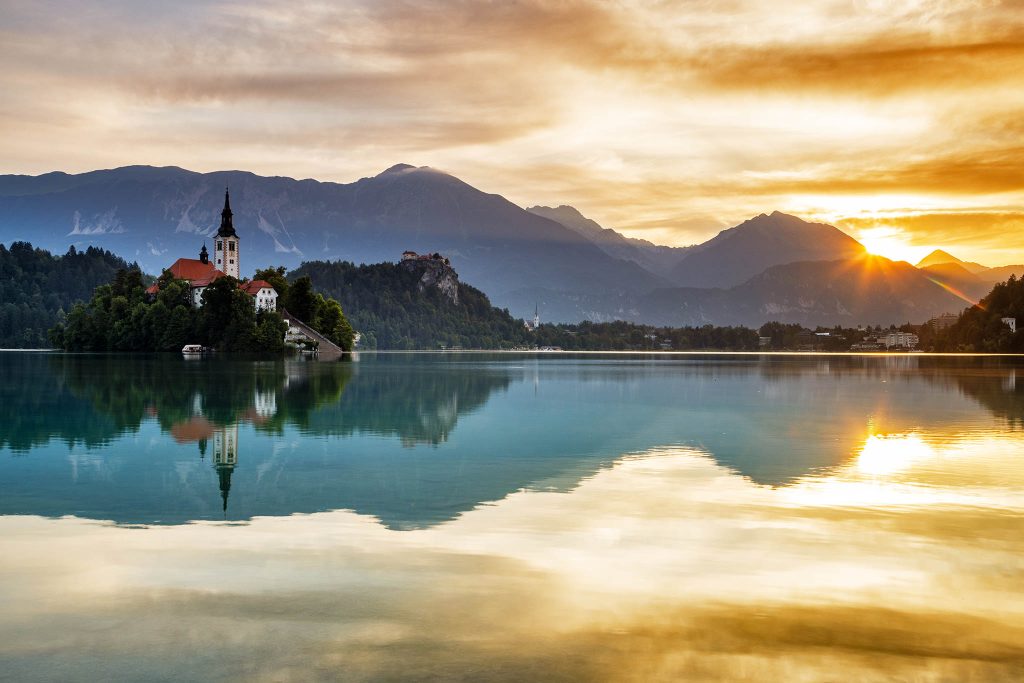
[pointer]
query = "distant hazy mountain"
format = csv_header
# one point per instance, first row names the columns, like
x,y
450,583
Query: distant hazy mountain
x,y
959,278
940,257
948,269
155,215
1002,273
864,290
656,258
737,254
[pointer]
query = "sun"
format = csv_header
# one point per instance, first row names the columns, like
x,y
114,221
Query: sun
x,y
890,243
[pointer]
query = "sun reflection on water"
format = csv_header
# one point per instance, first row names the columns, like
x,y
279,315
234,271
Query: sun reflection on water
x,y
888,454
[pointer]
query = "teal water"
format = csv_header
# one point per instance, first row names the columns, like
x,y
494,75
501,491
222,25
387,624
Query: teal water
x,y
511,517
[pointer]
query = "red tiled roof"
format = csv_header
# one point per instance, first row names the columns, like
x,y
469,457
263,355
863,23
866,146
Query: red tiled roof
x,y
253,288
197,273
204,281
193,269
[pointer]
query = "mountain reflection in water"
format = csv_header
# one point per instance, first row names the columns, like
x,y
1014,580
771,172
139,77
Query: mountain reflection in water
x,y
89,434
473,517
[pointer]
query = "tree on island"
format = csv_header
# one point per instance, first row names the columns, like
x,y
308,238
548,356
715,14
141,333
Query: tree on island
x,y
323,314
122,317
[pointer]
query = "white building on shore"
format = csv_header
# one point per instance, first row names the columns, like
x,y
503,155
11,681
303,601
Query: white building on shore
x,y
900,340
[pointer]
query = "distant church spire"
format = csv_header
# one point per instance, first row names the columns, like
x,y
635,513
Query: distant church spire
x,y
227,229
204,256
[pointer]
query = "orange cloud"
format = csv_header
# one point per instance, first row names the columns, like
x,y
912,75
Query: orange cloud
x,y
670,121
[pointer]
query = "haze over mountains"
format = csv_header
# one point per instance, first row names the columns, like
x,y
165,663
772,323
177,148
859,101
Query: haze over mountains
x,y
971,279
656,258
771,267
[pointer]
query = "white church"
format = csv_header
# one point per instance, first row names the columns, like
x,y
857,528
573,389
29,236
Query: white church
x,y
200,273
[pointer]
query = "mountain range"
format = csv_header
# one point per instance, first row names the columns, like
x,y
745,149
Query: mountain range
x,y
971,279
771,267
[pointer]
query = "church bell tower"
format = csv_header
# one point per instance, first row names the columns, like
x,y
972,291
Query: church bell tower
x,y
226,249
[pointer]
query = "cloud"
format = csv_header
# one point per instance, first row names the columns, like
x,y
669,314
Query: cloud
x,y
989,233
667,120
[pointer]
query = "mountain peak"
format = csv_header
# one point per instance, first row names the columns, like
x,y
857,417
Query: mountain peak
x,y
936,257
738,253
397,168
940,257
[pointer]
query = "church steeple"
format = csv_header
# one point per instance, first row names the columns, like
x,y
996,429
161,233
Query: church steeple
x,y
227,229
226,246
204,256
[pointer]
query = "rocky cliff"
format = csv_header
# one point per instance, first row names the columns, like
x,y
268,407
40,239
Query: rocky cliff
x,y
434,271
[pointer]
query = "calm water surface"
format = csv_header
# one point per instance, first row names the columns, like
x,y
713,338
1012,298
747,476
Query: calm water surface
x,y
512,517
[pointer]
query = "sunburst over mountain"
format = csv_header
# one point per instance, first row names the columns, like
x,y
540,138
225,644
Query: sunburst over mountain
x,y
773,266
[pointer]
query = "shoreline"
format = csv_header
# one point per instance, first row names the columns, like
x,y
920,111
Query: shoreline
x,y
567,352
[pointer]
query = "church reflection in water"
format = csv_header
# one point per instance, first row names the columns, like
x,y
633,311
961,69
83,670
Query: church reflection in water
x,y
415,441
224,457
407,517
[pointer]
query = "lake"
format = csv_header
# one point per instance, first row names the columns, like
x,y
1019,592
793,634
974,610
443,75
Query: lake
x,y
512,517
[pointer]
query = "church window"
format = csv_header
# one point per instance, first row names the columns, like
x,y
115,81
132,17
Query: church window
x,y
231,261
220,247
231,246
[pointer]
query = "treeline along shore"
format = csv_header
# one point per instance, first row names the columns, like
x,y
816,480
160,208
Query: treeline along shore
x,y
93,300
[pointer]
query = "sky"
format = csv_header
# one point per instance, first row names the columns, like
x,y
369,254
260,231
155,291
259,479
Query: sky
x,y
900,121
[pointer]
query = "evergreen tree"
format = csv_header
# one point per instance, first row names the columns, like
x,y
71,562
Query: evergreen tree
x,y
38,288
301,300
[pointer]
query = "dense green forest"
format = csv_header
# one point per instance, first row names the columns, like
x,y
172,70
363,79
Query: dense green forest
x,y
981,329
94,300
384,303
38,288
121,316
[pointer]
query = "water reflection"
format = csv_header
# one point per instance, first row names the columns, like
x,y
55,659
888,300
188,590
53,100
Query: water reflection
x,y
417,440
512,518
664,566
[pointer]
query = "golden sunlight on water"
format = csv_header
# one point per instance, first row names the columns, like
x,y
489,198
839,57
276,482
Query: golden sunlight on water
x,y
904,563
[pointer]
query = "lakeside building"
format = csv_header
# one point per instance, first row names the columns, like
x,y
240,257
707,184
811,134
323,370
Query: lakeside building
x,y
944,321
868,344
1011,323
900,340
201,273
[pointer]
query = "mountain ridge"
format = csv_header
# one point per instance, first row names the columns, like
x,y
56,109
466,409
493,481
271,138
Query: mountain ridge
x,y
656,258
554,258
940,257
156,214
736,254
